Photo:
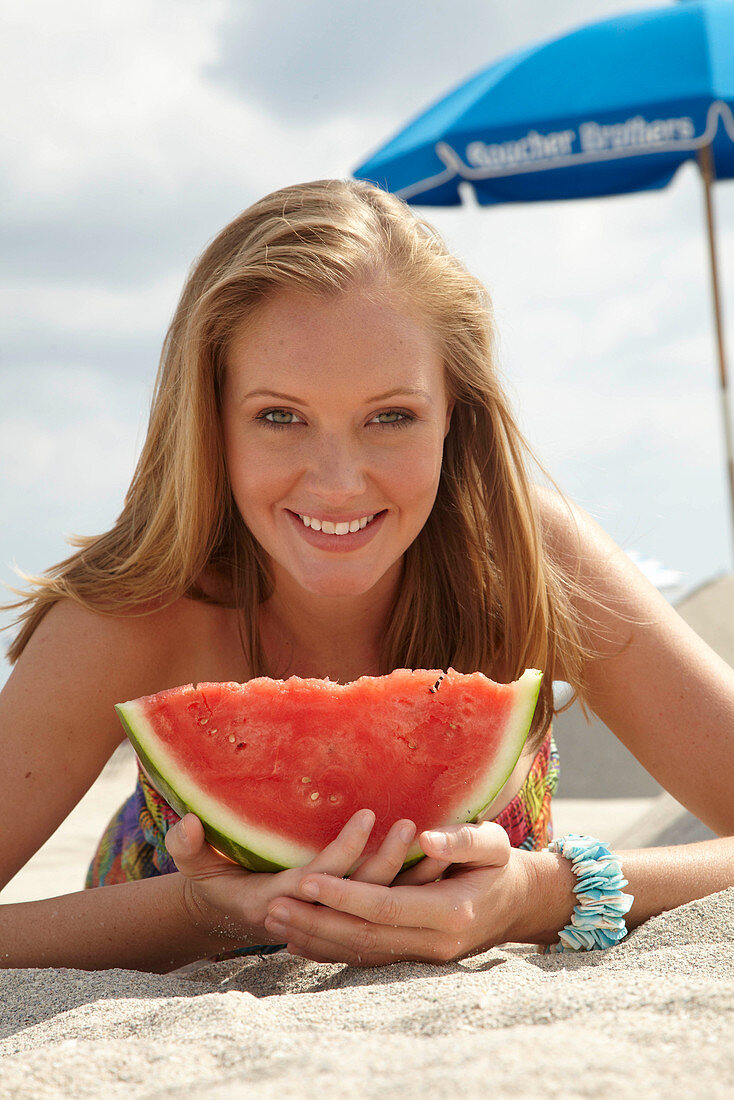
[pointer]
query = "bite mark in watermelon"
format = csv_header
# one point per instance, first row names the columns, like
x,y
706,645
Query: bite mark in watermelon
x,y
275,768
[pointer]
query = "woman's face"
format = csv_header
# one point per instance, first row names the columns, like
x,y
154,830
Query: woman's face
x,y
334,415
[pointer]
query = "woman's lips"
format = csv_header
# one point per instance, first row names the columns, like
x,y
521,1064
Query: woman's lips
x,y
336,543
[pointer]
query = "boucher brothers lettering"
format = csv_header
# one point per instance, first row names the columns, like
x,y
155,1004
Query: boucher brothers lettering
x,y
592,137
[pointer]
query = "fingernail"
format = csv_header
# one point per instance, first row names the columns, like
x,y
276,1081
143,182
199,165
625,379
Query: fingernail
x,y
437,840
367,818
310,889
279,912
407,833
184,830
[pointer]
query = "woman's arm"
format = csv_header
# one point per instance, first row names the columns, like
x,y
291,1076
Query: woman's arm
x,y
491,895
661,690
158,924
135,926
669,698
659,879
58,727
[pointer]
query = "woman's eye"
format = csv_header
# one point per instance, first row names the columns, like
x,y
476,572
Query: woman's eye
x,y
279,418
394,417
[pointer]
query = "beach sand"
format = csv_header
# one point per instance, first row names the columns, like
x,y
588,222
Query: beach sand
x,y
654,1015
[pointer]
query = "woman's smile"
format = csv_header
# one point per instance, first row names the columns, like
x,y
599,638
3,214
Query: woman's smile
x,y
338,536
334,414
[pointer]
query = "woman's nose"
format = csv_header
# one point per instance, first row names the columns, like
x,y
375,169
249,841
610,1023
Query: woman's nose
x,y
337,470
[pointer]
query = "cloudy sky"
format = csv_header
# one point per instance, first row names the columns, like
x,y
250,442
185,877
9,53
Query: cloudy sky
x,y
133,130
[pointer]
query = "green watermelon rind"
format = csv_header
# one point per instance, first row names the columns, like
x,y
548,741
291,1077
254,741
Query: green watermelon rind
x,y
184,801
264,851
526,700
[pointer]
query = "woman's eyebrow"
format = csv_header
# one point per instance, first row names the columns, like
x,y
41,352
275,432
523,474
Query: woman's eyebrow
x,y
273,393
406,391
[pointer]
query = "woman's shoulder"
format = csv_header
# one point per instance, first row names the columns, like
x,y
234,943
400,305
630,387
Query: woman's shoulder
x,y
575,541
563,524
618,610
143,648
134,644
608,594
79,662
141,620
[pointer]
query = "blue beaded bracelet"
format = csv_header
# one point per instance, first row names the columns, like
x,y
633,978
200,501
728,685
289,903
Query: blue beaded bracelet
x,y
598,918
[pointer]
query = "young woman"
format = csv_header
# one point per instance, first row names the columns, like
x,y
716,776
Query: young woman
x,y
333,484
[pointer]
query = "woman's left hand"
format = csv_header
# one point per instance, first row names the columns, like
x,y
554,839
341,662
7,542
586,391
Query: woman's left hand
x,y
365,921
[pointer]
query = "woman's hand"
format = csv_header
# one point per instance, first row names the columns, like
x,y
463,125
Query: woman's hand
x,y
228,902
362,922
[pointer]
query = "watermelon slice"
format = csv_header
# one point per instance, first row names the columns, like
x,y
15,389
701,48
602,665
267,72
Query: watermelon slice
x,y
275,768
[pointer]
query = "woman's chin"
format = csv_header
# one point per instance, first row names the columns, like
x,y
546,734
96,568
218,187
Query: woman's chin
x,y
337,588
335,584
335,580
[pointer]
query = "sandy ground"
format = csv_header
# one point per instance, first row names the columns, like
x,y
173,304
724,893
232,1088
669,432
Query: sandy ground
x,y
653,1016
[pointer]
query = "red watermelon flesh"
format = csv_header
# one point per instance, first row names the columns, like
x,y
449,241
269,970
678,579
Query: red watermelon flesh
x,y
275,768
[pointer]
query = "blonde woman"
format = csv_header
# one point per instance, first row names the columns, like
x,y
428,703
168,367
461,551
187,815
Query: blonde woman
x,y
333,484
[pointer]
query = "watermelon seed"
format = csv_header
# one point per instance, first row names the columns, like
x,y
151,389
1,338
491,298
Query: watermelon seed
x,y
305,779
333,798
214,731
202,721
437,685
314,795
232,738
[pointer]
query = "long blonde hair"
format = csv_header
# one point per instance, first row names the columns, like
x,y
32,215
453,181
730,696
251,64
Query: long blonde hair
x,y
479,591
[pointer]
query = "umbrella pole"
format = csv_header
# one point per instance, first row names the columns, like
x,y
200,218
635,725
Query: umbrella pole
x,y
705,164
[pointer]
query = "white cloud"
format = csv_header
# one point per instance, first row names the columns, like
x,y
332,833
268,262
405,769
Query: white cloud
x,y
110,77
84,308
124,96
77,438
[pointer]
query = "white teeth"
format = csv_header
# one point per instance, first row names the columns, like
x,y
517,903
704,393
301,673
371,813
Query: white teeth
x,y
330,528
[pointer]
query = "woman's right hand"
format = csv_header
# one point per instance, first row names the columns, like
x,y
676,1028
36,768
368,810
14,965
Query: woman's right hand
x,y
229,902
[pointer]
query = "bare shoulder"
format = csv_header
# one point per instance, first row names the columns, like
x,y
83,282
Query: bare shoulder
x,y
131,647
569,533
78,663
58,725
657,685
612,597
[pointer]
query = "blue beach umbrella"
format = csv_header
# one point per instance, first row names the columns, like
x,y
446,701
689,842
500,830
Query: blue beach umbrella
x,y
614,107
